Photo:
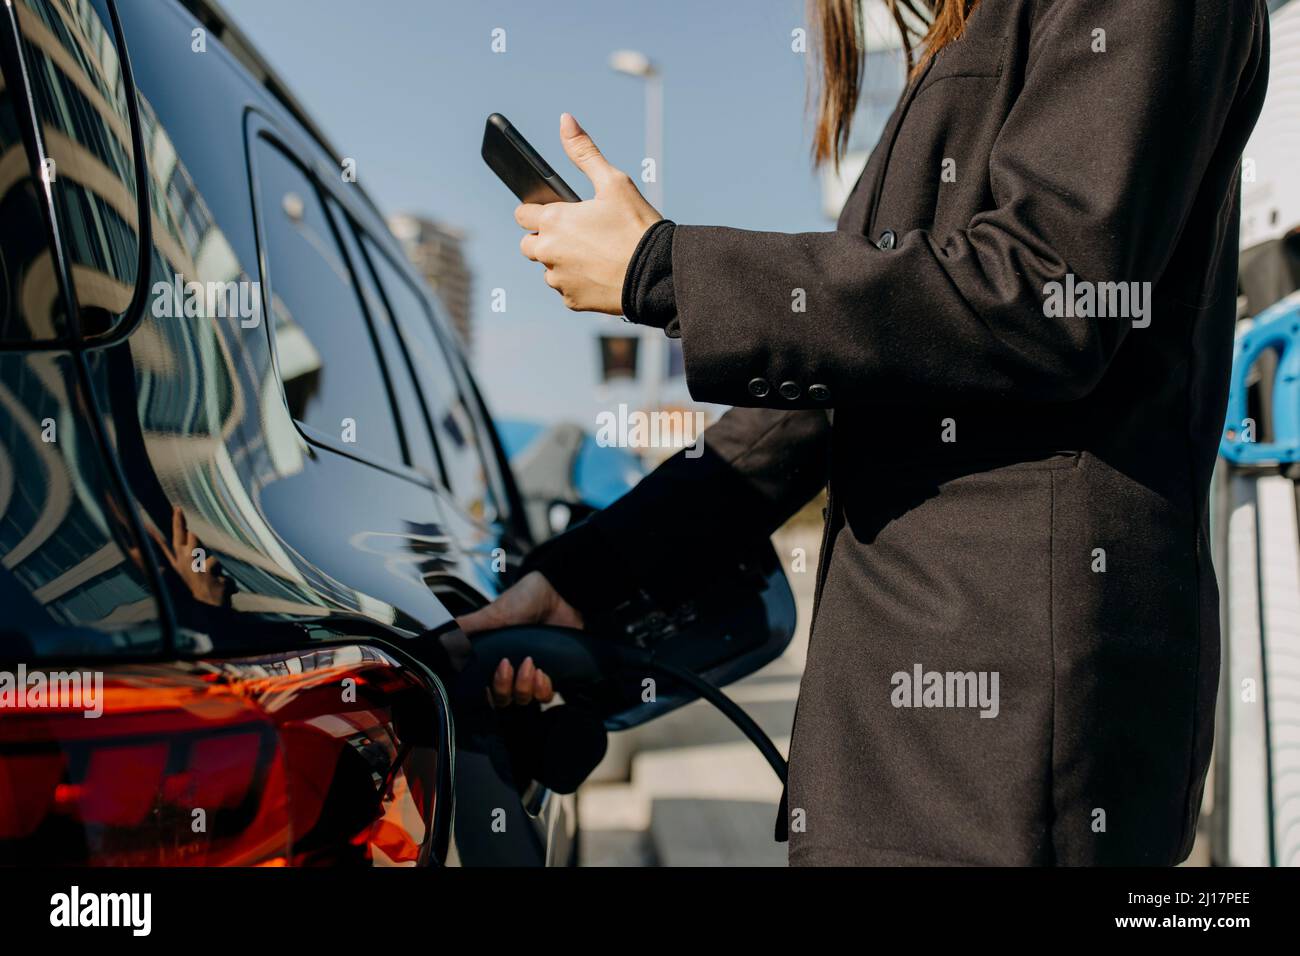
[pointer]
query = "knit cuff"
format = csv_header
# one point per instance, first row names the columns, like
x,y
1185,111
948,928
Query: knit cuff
x,y
648,297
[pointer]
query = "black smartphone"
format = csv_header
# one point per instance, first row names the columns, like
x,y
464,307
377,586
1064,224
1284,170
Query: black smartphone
x,y
520,166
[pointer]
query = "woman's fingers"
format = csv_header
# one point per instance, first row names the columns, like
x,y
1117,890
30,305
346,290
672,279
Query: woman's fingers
x,y
529,600
524,682
486,618
529,215
530,684
524,602
159,540
503,681
179,529
532,248
542,689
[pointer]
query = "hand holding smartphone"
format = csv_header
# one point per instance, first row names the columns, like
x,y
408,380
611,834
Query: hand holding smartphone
x,y
520,166
586,247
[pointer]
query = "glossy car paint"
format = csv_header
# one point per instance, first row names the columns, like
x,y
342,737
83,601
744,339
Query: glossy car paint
x,y
316,542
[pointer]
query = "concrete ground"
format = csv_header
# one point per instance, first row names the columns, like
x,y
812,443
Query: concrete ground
x,y
688,789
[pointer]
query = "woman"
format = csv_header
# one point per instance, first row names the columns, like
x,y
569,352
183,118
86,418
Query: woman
x,y
1011,370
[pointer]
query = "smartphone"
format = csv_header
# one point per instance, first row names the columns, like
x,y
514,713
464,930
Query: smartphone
x,y
520,166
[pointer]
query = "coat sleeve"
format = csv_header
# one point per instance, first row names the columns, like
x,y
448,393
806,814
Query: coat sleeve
x,y
754,468
1093,174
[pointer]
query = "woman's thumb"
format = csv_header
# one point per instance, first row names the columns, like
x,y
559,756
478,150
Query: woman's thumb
x,y
486,618
583,152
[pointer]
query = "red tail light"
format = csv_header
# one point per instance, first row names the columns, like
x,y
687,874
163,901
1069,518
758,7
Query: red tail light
x,y
333,756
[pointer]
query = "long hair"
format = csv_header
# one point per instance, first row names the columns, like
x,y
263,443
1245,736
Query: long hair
x,y
926,26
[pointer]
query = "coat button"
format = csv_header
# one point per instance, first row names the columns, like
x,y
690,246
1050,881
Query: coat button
x,y
888,240
789,390
819,393
758,387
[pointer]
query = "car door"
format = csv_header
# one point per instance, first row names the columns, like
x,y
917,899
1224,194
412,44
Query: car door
x,y
476,507
116,432
263,539
366,513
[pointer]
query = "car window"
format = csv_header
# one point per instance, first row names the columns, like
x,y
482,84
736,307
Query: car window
x,y
454,427
478,412
79,101
415,430
332,376
31,308
82,103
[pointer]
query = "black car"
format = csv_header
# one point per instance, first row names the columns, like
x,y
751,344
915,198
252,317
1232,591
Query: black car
x,y
247,482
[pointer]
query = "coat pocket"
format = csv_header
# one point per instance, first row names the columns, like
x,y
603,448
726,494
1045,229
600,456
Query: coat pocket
x,y
970,56
937,468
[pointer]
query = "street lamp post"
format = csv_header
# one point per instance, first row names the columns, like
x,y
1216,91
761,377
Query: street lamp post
x,y
634,63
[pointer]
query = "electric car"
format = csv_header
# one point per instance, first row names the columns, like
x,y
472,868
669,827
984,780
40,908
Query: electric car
x,y
247,482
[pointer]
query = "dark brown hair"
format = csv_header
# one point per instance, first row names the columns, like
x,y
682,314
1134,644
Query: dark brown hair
x,y
927,26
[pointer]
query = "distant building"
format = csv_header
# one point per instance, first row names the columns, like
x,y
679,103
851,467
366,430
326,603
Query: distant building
x,y
1270,187
883,78
1270,191
437,252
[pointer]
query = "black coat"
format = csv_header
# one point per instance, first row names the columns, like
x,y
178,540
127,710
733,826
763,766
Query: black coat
x,y
1018,489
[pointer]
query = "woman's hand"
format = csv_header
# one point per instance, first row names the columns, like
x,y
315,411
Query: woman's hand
x,y
531,600
207,585
586,246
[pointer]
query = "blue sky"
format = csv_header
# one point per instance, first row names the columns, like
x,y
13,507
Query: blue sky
x,y
404,87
